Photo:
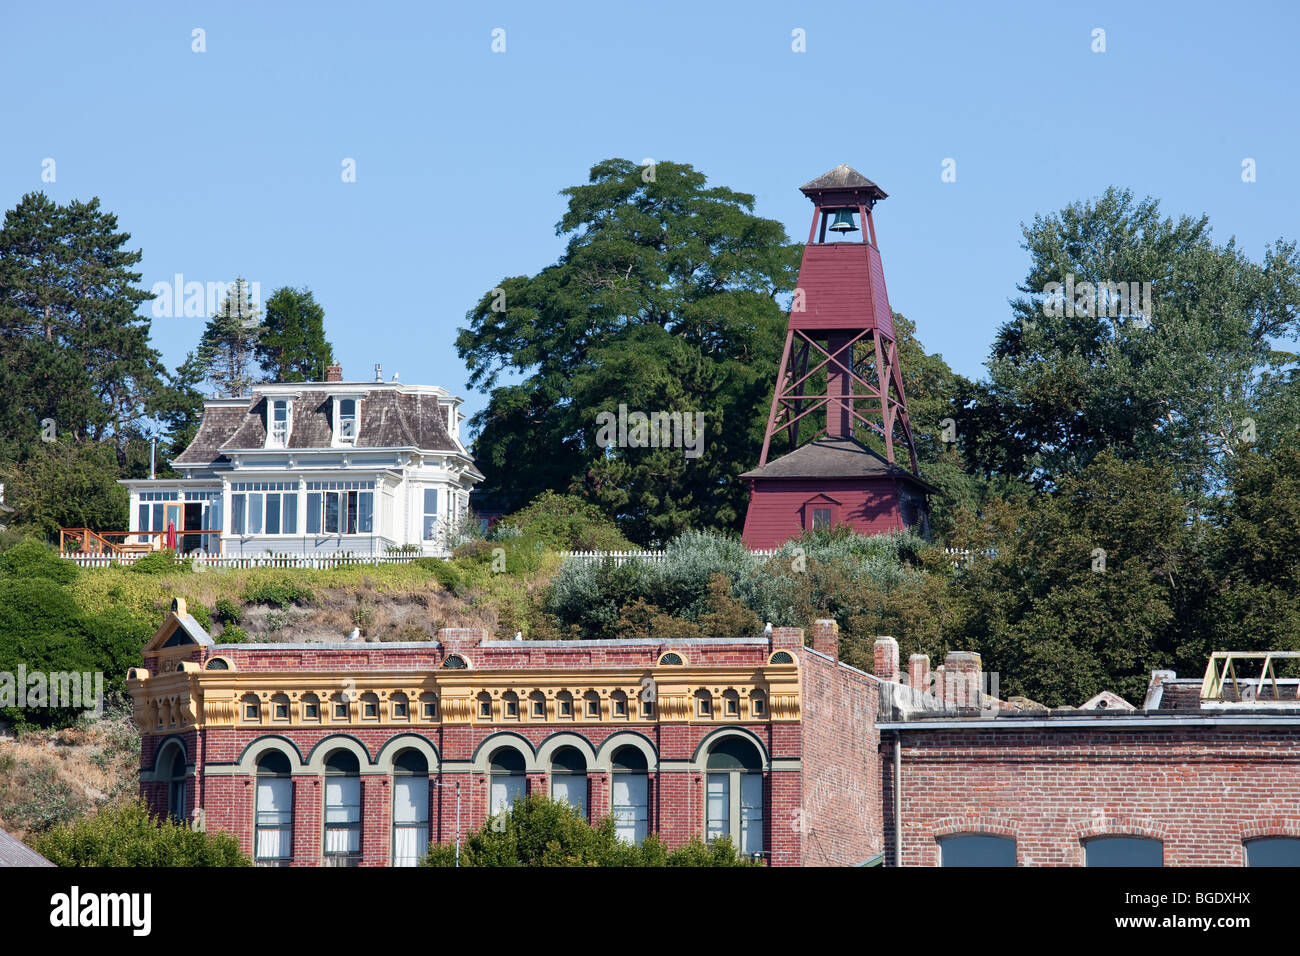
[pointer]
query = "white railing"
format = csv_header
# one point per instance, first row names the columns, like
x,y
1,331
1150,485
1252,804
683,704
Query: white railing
x,y
203,561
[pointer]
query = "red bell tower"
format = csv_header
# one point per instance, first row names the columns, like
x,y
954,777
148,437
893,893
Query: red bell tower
x,y
839,378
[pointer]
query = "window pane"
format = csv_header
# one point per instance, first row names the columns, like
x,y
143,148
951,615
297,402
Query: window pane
x,y
751,813
430,501
365,505
506,789
158,519
1124,851
352,512
289,514
1273,851
331,512
254,514
272,514
313,512
572,789
977,851
236,514
719,801
631,806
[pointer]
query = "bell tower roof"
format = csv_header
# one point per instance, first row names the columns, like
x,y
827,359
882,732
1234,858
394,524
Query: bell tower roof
x,y
842,183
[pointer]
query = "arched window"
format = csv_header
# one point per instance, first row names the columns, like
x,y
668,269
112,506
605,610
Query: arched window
x,y
508,781
671,659
410,808
1123,851
484,705
310,707
977,849
564,705
1273,851
428,706
342,809
399,706
730,704
455,662
781,657
273,843
340,708
569,779
591,705
703,703
509,706
618,705
630,795
251,708
217,664
757,704
735,794
280,707
537,705
369,706
176,808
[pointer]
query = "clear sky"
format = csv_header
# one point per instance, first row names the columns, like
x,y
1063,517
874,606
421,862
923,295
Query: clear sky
x,y
230,161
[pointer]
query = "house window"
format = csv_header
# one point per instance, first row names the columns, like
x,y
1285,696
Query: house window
x,y
484,706
430,513
564,705
280,707
730,703
398,705
734,795
508,781
454,662
630,795
428,706
340,507
1273,851
410,808
252,708
821,519
647,708
176,786
569,779
348,419
510,705
538,704
341,708
342,809
1123,851
264,507
273,840
593,704
278,432
618,704
758,704
977,850
369,707
310,707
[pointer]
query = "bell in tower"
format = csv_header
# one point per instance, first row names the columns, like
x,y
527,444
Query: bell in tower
x,y
839,387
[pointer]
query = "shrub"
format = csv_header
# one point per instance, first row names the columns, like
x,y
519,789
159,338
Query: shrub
x,y
125,835
234,634
228,612
279,593
444,572
563,523
159,562
539,831
47,801
32,559
201,614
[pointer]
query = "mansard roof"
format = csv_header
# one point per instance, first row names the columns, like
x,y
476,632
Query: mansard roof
x,y
390,417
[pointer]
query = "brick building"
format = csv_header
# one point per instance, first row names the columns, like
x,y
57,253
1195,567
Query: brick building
x,y
359,754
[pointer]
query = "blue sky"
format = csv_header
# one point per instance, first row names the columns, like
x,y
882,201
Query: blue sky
x,y
229,161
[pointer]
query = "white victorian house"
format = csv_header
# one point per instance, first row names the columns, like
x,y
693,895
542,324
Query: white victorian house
x,y
315,468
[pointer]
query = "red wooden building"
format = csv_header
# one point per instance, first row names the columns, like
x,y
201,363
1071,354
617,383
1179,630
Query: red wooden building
x,y
839,383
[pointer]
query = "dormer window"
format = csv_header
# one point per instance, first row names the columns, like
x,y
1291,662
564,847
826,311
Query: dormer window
x,y
277,432
348,419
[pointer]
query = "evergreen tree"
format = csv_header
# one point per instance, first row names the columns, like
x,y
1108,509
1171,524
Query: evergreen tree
x,y
72,348
229,342
293,347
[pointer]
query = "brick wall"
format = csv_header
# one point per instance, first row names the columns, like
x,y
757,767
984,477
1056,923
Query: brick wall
x,y
1202,790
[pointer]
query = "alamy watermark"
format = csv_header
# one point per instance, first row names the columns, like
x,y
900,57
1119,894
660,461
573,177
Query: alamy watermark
x,y
196,300
626,429
60,689
1094,300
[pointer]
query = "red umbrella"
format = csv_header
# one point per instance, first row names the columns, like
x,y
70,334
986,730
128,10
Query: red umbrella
x,y
171,535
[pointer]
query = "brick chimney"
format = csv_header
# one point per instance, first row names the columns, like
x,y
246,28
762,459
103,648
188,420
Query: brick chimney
x,y
826,638
918,672
458,640
334,373
960,684
885,659
787,638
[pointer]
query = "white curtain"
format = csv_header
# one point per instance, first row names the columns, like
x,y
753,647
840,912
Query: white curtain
x,y
719,804
751,813
410,819
274,817
506,788
572,789
343,806
631,806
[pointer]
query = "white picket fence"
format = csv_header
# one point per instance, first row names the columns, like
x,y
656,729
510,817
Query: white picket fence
x,y
204,561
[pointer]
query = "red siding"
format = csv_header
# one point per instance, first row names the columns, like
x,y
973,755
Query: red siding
x,y
868,505
843,288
